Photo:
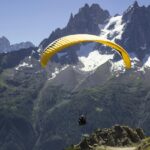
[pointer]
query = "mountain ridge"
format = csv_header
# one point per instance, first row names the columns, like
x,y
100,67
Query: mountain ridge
x,y
5,45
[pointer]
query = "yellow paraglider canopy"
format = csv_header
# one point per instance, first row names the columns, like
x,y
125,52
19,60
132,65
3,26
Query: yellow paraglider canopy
x,y
70,40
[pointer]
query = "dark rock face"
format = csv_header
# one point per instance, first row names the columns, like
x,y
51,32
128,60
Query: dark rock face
x,y
87,20
136,36
115,136
11,59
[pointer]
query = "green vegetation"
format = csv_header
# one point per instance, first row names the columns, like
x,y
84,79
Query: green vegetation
x,y
145,145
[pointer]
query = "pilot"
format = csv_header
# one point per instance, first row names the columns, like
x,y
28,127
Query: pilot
x,y
82,120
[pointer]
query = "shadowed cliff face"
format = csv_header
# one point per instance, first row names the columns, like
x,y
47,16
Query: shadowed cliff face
x,y
136,36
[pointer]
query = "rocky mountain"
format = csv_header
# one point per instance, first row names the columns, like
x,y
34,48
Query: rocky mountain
x,y
5,45
136,34
87,20
39,108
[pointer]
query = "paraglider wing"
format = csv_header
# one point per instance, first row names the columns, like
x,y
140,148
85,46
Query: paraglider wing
x,y
70,40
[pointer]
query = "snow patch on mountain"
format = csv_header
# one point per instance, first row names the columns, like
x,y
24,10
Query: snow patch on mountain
x,y
133,57
24,64
147,61
57,71
134,60
39,50
113,29
141,69
117,66
145,64
94,60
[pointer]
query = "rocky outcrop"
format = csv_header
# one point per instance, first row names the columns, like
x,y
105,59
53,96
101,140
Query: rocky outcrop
x,y
115,136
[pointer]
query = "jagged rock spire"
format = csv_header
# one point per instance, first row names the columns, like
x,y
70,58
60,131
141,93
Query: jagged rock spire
x,y
135,4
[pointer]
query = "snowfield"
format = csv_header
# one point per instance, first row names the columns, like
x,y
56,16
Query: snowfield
x,y
57,71
113,29
94,60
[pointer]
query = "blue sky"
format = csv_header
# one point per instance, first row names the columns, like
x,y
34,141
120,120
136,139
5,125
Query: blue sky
x,y
33,20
